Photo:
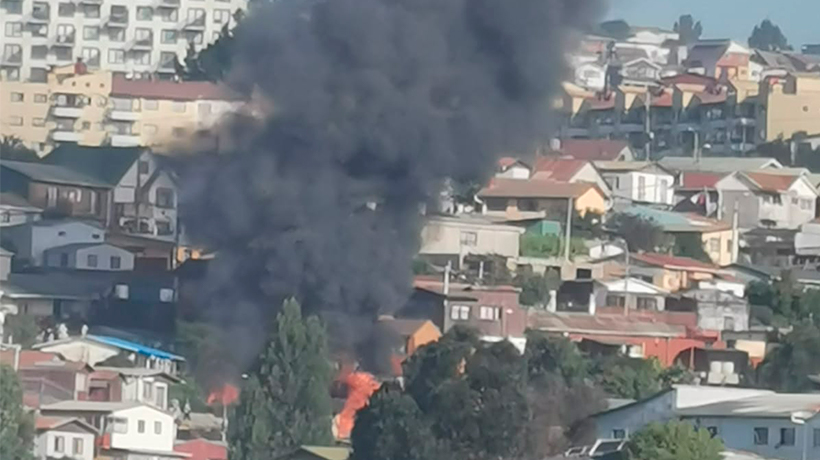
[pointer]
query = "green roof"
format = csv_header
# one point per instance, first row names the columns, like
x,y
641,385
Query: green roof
x,y
107,164
328,453
53,174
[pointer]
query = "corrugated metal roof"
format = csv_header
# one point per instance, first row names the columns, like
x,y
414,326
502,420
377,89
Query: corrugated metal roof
x,y
135,347
582,323
90,406
53,174
776,405
534,188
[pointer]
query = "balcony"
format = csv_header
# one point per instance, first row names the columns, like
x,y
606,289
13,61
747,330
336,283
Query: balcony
x,y
167,3
90,2
116,21
124,140
194,24
63,40
67,112
38,17
66,136
15,59
123,115
143,44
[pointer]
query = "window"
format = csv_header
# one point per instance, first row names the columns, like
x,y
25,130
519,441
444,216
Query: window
x,y
39,52
615,300
149,129
17,97
204,108
115,262
169,37
91,11
618,434
5,217
65,33
158,427
91,33
179,107
196,17
761,436
140,426
647,303
143,167
51,196
194,37
714,245
161,403
795,200
66,10
63,54
806,204
16,121
222,16
460,312
816,436
59,444
178,131
40,10
38,122
144,36
13,53
77,446
116,56
119,14
165,197
143,58
641,188
145,13
118,425
729,245
12,6
86,125
91,57
14,29
116,35
728,323
148,391
469,238
786,436
169,14
12,74
489,313
92,260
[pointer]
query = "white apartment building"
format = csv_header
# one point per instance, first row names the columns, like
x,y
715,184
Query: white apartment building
x,y
128,36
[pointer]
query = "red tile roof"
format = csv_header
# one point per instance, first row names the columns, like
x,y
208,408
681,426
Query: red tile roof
x,y
700,180
48,423
534,188
203,449
593,149
707,97
689,79
163,89
667,261
558,169
771,182
597,103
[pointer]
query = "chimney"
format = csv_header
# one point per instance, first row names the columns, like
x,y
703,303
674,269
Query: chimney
x,y
80,67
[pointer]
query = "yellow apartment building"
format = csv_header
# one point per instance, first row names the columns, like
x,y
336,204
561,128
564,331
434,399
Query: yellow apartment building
x,y
101,108
789,105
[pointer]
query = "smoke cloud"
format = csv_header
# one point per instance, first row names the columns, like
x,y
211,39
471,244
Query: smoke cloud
x,y
362,109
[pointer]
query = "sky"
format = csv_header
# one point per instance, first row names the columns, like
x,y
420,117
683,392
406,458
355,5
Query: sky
x,y
798,19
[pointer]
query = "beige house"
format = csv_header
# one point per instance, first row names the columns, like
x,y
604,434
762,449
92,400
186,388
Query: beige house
x,y
790,105
449,237
100,108
517,199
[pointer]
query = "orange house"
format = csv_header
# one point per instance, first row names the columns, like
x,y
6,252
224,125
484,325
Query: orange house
x,y
413,333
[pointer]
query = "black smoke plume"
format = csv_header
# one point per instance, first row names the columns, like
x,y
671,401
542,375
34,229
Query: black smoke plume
x,y
360,110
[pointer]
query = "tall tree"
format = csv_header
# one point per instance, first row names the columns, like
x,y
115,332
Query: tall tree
x,y
673,441
640,234
16,427
768,37
690,245
688,30
285,402
786,368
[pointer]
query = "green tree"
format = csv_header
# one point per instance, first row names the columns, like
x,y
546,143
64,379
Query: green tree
x,y
786,368
285,402
547,356
632,378
673,441
392,427
16,427
640,234
22,329
688,30
12,148
535,288
533,245
690,245
768,37
617,29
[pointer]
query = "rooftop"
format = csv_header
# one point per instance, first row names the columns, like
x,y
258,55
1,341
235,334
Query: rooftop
x,y
89,406
14,200
677,222
602,325
31,359
105,164
136,372
771,182
403,327
674,262
777,405
135,347
163,89
719,164
54,174
695,180
328,453
51,423
594,149
534,188
203,449
558,169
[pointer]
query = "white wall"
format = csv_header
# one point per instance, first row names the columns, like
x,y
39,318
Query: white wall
x,y
515,172
627,187
125,191
443,236
49,236
45,443
77,350
738,434
104,254
149,439
10,215
738,289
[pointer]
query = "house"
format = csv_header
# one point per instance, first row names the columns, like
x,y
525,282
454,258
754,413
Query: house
x,y
768,200
16,210
203,449
696,193
624,421
94,349
641,70
493,311
719,165
57,190
725,59
59,297
451,238
144,189
512,168
30,241
590,75
788,105
530,199
638,182
63,437
717,310
128,430
47,377
715,366
597,150
717,238
569,170
410,334
783,426
771,247
89,256
131,384
644,337
672,273
629,294
807,240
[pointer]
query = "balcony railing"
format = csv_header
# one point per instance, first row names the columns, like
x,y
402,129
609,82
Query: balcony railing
x,y
142,43
38,17
64,40
116,20
196,23
168,3
13,59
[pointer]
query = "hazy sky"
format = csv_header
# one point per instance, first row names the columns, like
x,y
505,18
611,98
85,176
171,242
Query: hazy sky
x,y
799,19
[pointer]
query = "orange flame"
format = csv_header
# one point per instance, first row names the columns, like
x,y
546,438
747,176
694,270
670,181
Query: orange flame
x,y
225,395
360,386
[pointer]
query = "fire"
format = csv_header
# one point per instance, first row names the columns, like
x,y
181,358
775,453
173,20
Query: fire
x,y
225,395
360,386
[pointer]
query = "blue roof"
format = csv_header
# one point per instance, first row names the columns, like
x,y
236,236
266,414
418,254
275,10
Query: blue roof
x,y
135,347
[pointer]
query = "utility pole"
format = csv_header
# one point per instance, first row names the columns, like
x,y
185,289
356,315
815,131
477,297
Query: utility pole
x,y
568,231
697,147
647,148
735,234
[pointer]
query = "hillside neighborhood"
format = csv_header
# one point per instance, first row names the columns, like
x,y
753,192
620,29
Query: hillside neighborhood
x,y
660,251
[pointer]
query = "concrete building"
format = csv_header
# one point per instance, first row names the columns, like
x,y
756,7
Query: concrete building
x,y
15,210
446,238
89,256
767,199
717,310
131,384
638,182
137,37
32,240
63,437
789,105
94,349
629,294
